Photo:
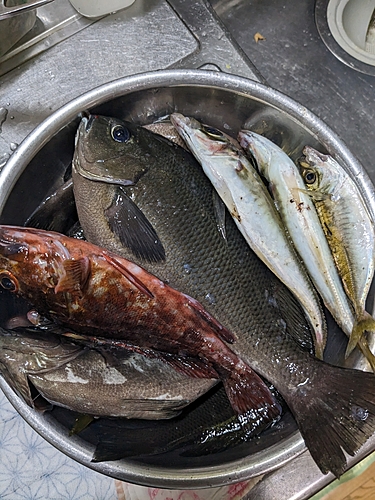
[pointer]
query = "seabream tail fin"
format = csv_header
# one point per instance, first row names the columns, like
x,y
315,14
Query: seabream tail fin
x,y
335,414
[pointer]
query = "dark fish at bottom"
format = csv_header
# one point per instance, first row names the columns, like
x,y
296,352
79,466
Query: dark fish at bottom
x,y
206,427
127,385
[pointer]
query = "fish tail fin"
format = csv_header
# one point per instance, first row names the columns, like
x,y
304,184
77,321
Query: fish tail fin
x,y
335,413
247,392
364,323
366,351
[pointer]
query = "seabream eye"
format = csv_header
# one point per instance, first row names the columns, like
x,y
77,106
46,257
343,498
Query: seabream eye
x,y
120,133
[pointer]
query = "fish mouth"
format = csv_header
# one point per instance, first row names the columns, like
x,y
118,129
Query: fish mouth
x,y
184,123
87,120
313,156
84,126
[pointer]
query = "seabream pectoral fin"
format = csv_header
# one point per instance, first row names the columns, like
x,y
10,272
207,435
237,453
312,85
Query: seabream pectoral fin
x,y
133,228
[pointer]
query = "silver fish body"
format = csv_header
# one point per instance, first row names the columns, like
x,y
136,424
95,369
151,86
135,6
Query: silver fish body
x,y
83,380
302,223
347,224
247,199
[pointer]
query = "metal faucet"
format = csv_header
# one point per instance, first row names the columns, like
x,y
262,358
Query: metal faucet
x,y
10,8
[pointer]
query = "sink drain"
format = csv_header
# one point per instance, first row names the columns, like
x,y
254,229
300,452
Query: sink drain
x,y
347,27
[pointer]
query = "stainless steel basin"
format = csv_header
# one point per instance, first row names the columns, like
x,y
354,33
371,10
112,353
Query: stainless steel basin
x,y
221,100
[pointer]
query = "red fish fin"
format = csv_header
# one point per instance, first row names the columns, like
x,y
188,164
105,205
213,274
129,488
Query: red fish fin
x,y
219,329
192,367
76,275
334,412
247,392
127,274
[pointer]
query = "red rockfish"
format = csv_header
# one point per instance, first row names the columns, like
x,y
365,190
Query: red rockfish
x,y
89,289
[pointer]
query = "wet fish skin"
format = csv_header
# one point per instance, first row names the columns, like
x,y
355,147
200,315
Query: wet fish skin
x,y
206,427
26,354
348,227
247,199
299,215
104,210
126,385
84,287
167,130
173,195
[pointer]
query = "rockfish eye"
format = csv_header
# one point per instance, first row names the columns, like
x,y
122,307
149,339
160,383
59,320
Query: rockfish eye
x,y
213,132
8,281
309,176
120,133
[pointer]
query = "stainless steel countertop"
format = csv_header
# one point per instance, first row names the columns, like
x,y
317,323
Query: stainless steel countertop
x,y
156,34
149,35
294,60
